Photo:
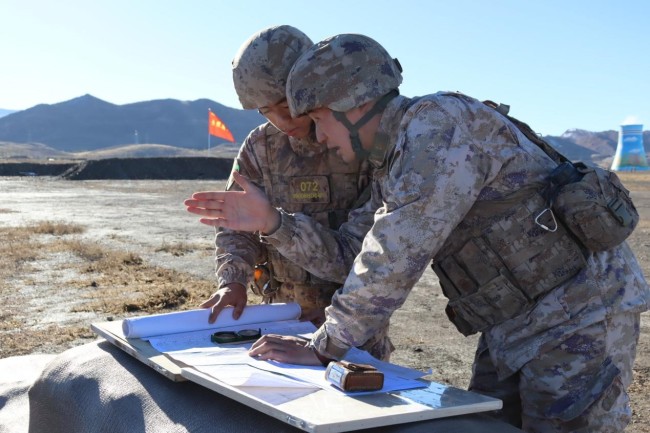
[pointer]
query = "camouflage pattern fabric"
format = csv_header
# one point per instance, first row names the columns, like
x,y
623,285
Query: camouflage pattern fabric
x,y
449,153
579,385
598,208
309,84
261,66
299,176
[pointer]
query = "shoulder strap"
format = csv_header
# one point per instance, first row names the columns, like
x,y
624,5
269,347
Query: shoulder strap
x,y
528,132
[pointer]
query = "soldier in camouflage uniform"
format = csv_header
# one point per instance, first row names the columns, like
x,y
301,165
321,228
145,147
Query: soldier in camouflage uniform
x,y
457,185
297,174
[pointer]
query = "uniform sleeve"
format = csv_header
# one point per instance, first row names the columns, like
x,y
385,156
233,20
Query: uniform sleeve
x,y
325,253
435,174
237,252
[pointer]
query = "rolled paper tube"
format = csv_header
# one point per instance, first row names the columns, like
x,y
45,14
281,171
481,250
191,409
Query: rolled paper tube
x,y
196,320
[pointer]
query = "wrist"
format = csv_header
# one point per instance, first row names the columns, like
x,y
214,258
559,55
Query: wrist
x,y
235,285
273,222
323,359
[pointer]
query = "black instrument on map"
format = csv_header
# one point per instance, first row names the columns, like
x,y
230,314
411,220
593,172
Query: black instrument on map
x,y
232,337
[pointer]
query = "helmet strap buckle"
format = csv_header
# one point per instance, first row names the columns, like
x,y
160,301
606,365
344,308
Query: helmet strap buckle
x,y
355,140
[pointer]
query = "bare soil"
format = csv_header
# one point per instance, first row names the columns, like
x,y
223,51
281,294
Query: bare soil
x,y
77,252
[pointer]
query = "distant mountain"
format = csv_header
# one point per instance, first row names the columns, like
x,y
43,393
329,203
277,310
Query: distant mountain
x,y
595,147
78,128
88,123
39,152
4,112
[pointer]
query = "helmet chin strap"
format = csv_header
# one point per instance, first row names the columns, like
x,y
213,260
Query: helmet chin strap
x,y
357,147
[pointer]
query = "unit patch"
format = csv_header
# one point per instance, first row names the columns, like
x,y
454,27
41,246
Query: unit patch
x,y
309,189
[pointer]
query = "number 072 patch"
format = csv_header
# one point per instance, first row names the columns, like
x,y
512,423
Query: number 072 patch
x,y
309,189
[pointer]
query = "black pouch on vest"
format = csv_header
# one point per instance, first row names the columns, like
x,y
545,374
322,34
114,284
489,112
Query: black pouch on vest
x,y
591,201
594,205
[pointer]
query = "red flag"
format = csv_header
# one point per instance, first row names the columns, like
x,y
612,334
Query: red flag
x,y
217,128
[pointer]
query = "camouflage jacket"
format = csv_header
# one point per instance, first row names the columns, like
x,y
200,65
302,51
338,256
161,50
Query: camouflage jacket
x,y
447,154
296,175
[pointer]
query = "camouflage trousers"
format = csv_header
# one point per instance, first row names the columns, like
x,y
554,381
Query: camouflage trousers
x,y
577,386
313,299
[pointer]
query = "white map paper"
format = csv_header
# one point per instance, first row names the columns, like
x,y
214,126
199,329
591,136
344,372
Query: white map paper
x,y
185,337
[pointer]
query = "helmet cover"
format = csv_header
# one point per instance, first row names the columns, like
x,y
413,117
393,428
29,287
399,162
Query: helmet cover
x,y
341,73
262,64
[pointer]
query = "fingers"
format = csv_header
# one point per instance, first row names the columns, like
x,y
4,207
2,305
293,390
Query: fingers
x,y
281,348
216,303
232,294
204,204
263,343
209,209
241,180
208,195
214,312
218,307
209,302
197,210
205,197
271,346
238,309
213,222
213,204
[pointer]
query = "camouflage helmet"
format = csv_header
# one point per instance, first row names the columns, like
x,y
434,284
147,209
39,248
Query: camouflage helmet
x,y
261,66
341,73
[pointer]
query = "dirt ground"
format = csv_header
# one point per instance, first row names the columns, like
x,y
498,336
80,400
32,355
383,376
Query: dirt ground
x,y
49,293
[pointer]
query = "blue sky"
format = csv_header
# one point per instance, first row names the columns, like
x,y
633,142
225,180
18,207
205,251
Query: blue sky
x,y
559,64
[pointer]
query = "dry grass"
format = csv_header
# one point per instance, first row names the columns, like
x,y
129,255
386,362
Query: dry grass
x,y
57,228
635,181
50,339
179,248
105,283
17,250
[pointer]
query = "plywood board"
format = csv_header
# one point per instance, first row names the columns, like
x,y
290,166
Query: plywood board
x,y
325,411
139,349
318,411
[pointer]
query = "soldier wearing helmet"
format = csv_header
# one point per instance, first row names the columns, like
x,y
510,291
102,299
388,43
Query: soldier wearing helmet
x,y
297,174
457,185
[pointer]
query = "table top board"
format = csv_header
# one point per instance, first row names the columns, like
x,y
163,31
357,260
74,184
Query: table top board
x,y
320,411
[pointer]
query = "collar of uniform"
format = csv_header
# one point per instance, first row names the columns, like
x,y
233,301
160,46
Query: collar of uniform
x,y
386,135
306,146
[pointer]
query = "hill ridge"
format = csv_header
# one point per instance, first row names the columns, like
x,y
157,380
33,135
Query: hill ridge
x,y
88,123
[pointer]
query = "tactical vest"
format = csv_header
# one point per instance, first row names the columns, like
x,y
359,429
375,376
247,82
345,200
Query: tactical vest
x,y
327,193
494,271
504,255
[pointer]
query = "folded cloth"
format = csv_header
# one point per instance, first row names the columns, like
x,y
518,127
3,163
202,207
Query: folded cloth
x,y
98,388
17,373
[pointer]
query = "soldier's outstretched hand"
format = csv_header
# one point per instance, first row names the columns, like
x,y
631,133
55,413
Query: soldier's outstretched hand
x,y
248,210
